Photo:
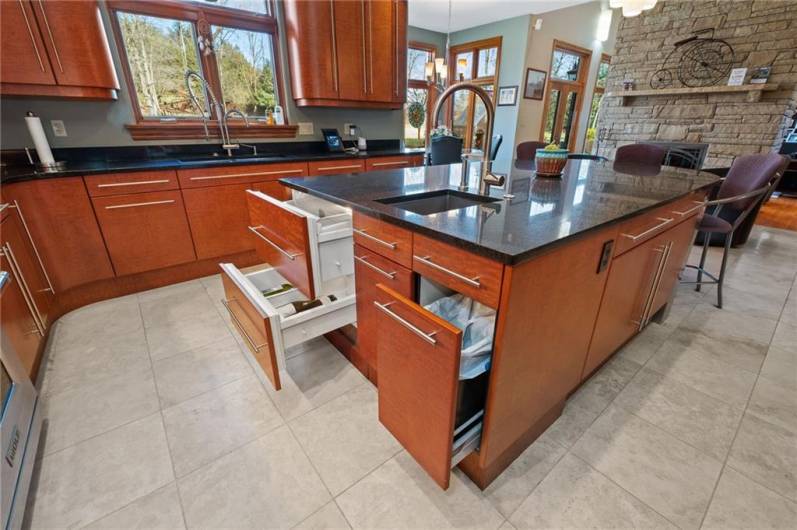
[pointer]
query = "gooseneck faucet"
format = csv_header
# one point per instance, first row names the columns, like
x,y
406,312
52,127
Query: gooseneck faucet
x,y
486,177
224,131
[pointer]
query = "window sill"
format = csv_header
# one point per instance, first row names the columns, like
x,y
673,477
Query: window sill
x,y
178,131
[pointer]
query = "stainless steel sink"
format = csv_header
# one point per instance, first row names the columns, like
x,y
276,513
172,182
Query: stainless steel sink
x,y
437,201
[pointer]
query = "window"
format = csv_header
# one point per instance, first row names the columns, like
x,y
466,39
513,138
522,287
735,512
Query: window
x,y
478,62
565,65
231,43
564,94
420,99
590,144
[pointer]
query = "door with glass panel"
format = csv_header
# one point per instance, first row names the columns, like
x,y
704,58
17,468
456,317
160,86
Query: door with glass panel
x,y
569,68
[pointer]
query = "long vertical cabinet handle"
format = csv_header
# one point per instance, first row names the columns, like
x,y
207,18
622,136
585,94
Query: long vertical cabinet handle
x,y
17,272
32,38
657,283
50,34
334,49
366,28
18,208
649,297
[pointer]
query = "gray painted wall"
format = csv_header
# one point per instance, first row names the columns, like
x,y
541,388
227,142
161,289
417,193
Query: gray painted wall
x,y
90,123
438,40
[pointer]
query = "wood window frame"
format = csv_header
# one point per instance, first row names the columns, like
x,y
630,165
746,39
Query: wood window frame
x,y
152,128
579,84
474,47
605,58
431,93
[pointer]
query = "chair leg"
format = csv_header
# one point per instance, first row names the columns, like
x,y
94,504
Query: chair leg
x,y
706,241
728,239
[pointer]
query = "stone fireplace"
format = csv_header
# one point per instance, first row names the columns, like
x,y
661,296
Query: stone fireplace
x,y
761,32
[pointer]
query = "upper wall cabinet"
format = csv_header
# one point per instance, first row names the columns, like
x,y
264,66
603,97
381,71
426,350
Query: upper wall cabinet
x,y
55,49
347,53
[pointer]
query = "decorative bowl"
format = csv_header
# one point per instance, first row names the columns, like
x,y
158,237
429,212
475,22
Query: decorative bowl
x,y
550,163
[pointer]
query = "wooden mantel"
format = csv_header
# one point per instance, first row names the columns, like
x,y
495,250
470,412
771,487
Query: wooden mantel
x,y
753,91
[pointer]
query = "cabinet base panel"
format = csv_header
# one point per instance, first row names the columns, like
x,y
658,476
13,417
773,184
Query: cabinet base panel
x,y
484,476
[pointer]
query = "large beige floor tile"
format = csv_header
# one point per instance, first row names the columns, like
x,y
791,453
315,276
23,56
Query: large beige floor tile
x,y
703,372
785,337
780,365
644,346
327,518
85,411
399,494
668,475
518,480
749,303
775,402
160,510
739,503
766,453
103,321
170,338
604,385
191,373
177,303
574,495
268,483
90,480
696,418
205,427
344,438
312,379
569,427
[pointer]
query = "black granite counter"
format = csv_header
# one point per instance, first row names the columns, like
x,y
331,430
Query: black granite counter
x,y
533,214
92,161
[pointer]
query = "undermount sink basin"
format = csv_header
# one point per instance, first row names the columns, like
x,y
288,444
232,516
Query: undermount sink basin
x,y
437,201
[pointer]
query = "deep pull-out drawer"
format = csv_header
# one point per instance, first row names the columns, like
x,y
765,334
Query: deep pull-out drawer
x,y
308,240
644,227
386,239
418,361
267,334
134,182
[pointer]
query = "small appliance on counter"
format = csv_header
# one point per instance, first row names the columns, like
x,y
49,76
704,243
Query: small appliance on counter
x,y
20,424
333,140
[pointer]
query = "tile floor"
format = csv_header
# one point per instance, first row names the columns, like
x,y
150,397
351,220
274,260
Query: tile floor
x,y
156,420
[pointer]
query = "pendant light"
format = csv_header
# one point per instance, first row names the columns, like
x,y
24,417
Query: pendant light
x,y
437,70
632,8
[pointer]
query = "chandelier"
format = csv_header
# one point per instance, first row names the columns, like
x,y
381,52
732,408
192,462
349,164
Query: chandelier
x,y
437,70
632,8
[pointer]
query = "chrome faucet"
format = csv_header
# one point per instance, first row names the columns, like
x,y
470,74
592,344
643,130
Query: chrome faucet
x,y
224,131
236,112
486,177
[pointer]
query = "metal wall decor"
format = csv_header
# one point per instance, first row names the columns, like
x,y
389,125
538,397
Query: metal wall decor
x,y
696,61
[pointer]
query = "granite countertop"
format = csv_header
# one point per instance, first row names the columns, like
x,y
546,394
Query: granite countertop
x,y
536,214
188,160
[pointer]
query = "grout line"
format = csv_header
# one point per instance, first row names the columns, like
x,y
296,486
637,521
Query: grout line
x,y
117,510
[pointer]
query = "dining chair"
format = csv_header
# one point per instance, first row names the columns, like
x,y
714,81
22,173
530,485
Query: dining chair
x,y
528,150
640,154
749,181
445,150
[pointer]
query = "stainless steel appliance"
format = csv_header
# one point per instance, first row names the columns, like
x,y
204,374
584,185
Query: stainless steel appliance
x,y
20,427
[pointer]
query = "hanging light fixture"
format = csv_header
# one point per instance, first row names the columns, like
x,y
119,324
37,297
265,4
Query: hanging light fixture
x,y
632,8
437,70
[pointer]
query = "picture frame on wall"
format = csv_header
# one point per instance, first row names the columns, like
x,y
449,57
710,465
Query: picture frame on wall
x,y
507,96
535,84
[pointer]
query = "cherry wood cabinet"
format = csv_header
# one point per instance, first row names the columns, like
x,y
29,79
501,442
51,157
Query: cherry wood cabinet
x,y
63,227
62,50
383,238
336,167
19,321
346,53
393,162
133,182
145,231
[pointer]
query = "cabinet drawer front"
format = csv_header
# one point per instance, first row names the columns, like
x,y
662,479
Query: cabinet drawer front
x,y
134,182
389,162
220,176
253,327
282,240
418,363
385,239
145,231
371,269
336,167
642,228
472,275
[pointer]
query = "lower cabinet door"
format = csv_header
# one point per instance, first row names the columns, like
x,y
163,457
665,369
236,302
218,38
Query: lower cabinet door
x,y
418,362
145,231
19,322
680,239
625,300
218,219
371,269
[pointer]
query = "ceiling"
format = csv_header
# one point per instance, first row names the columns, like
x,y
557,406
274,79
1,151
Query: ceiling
x,y
433,14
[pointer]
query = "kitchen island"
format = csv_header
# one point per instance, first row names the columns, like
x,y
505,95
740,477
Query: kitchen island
x,y
569,269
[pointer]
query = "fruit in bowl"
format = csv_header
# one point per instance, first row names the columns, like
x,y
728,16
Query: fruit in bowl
x,y
551,160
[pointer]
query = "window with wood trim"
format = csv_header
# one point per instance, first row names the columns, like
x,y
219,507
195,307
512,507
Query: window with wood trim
x,y
478,62
233,44
420,95
564,93
590,144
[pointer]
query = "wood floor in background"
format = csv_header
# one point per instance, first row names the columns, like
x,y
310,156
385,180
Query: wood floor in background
x,y
779,212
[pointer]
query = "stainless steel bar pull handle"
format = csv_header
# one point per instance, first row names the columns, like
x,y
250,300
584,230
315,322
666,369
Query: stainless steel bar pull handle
x,y
138,183
363,233
50,34
329,168
26,293
428,337
32,38
255,174
255,231
657,281
364,261
137,204
247,338
18,208
664,221
699,204
396,163
470,281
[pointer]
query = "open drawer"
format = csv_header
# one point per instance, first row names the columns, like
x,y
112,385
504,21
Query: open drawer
x,y
423,402
267,333
306,239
